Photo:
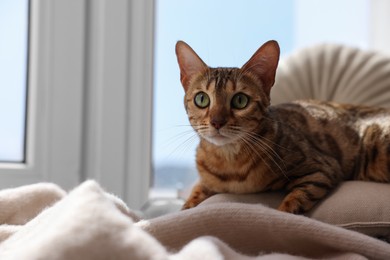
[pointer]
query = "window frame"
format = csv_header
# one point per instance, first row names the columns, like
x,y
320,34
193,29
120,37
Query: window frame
x,y
89,98
118,101
380,20
49,145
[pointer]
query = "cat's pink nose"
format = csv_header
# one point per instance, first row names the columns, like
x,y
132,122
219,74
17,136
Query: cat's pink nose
x,y
218,123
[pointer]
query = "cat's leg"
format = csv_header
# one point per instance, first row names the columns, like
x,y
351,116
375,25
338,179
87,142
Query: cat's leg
x,y
306,191
198,194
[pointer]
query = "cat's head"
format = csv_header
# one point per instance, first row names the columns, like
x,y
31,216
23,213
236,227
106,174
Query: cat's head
x,y
225,105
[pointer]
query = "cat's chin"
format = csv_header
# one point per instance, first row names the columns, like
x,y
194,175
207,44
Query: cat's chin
x,y
219,140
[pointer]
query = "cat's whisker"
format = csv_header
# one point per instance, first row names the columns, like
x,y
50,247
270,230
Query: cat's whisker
x,y
249,151
269,156
265,140
261,139
248,143
187,144
252,151
183,125
184,146
174,144
258,138
177,137
190,142
271,153
249,137
176,126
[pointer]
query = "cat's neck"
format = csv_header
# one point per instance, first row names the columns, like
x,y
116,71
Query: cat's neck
x,y
228,150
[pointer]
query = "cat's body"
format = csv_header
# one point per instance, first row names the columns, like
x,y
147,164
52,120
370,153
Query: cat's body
x,y
305,147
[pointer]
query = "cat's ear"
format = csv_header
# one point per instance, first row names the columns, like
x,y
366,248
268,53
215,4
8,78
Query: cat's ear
x,y
189,62
263,64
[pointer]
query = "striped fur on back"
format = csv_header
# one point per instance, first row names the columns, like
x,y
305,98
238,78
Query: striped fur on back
x,y
246,145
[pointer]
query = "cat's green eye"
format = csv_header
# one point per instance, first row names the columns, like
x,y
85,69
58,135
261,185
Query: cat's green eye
x,y
202,100
240,101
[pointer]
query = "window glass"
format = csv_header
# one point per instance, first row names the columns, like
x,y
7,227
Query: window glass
x,y
227,33
13,78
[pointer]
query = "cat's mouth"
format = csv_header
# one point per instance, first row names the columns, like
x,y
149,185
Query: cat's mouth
x,y
218,138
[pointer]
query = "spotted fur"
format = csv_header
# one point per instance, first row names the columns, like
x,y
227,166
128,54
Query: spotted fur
x,y
304,147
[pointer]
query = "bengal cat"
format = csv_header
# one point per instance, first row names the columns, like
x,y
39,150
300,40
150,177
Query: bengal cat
x,y
247,145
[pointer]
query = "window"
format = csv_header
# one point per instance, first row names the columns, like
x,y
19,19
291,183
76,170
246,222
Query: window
x,y
89,97
13,78
50,127
227,33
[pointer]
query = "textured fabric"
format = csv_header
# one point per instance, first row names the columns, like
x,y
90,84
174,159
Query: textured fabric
x,y
31,205
355,205
253,229
334,73
88,223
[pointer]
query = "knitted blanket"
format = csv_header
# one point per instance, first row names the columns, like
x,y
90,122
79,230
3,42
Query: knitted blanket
x,y
42,221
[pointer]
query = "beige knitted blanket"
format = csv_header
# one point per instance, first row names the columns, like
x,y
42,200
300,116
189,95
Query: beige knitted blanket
x,y
42,221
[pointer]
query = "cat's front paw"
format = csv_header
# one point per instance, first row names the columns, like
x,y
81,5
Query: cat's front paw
x,y
291,206
198,194
296,202
188,205
194,200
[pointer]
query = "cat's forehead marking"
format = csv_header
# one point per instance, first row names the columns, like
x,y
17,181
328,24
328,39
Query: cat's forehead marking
x,y
220,77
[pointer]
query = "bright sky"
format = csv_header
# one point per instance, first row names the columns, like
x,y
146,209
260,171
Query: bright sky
x,y
13,75
227,33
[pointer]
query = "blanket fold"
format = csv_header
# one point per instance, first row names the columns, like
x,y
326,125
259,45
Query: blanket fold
x,y
253,229
42,221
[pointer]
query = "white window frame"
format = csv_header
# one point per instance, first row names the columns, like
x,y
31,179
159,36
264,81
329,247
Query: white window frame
x,y
119,97
51,153
380,23
89,97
